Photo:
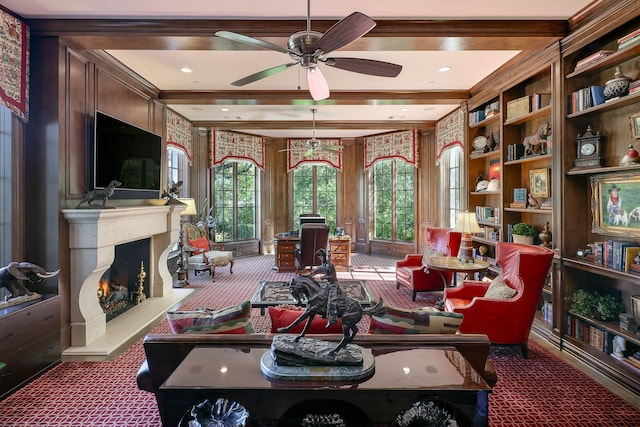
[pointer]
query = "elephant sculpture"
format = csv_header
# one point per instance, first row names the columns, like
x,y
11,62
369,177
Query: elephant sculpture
x,y
14,272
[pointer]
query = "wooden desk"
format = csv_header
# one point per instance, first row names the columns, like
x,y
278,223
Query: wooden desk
x,y
340,252
402,376
285,249
453,265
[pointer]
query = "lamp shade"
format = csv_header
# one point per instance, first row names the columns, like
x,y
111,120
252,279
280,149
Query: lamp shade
x,y
467,223
191,206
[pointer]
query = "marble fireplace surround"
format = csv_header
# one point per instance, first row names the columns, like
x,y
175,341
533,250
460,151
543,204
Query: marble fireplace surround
x,y
93,236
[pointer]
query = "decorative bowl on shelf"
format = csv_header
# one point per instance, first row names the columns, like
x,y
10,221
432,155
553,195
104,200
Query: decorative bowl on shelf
x,y
618,86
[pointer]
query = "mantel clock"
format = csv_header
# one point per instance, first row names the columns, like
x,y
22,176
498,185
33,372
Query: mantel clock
x,y
589,150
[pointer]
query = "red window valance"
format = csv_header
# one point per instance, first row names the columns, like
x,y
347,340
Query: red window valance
x,y
14,78
449,132
180,133
229,145
298,148
393,145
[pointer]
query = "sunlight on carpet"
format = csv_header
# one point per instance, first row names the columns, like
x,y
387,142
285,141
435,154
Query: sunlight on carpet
x,y
539,391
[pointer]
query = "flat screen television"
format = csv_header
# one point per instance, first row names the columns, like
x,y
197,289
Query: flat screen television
x,y
128,154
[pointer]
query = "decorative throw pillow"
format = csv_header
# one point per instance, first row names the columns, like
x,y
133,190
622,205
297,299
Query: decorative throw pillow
x,y
285,315
201,243
235,319
425,320
498,289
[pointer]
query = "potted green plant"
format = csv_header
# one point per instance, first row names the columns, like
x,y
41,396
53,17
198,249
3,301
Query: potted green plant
x,y
607,307
583,303
523,233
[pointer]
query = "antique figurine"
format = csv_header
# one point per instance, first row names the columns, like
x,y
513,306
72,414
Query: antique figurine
x,y
172,193
318,295
103,195
14,272
537,144
631,158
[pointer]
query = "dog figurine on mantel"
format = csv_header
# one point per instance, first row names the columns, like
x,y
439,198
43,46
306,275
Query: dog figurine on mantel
x,y
103,195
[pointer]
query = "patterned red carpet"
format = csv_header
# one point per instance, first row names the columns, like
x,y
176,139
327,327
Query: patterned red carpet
x,y
539,391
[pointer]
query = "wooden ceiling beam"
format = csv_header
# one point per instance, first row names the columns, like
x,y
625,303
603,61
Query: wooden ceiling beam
x,y
390,35
294,97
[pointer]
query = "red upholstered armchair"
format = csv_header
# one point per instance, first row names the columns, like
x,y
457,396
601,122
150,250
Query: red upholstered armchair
x,y
503,318
410,271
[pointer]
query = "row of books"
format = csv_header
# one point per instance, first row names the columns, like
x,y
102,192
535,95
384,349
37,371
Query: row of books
x,y
629,39
590,334
514,152
488,214
540,100
476,117
594,57
623,42
617,255
546,311
585,98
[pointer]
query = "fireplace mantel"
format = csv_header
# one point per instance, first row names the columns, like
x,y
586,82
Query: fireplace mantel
x,y
93,236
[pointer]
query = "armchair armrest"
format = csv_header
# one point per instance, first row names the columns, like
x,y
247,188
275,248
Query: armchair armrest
x,y
468,290
410,260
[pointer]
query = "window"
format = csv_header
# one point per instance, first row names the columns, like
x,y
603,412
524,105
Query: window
x,y
315,191
451,183
393,200
177,169
6,176
236,207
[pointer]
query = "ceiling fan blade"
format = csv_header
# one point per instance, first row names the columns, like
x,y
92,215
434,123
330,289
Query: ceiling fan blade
x,y
262,74
318,86
365,66
241,38
345,31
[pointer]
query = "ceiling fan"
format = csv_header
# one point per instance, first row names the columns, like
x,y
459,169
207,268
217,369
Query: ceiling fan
x,y
308,48
314,143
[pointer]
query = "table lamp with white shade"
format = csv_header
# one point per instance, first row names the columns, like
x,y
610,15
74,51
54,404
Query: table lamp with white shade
x,y
189,210
466,224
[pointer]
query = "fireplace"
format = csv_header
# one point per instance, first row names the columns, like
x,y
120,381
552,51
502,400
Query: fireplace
x,y
124,284
94,236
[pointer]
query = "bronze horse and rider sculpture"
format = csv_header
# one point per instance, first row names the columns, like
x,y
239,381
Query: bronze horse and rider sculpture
x,y
324,297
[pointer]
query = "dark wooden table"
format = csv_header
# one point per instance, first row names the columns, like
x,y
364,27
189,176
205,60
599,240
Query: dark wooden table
x,y
402,376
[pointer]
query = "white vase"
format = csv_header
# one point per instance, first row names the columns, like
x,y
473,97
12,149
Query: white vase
x,y
527,240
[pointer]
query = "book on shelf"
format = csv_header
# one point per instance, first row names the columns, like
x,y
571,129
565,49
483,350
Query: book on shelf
x,y
629,42
539,100
619,254
634,268
518,205
597,95
631,35
594,57
634,86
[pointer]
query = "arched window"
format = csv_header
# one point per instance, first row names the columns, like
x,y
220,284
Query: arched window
x,y
315,191
236,201
392,200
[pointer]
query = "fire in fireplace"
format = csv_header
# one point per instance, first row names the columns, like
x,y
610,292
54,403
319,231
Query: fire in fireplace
x,y
123,285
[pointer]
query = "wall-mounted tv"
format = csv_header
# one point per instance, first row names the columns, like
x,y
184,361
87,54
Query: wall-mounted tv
x,y
128,154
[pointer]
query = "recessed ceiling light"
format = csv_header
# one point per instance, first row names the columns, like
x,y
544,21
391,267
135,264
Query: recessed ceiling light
x,y
444,69
404,109
224,109
185,69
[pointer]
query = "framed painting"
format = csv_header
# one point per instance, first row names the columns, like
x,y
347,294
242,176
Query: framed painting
x,y
615,204
539,182
634,124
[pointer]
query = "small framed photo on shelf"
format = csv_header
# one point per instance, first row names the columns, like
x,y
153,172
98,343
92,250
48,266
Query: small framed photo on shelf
x,y
634,124
615,204
539,182
520,195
